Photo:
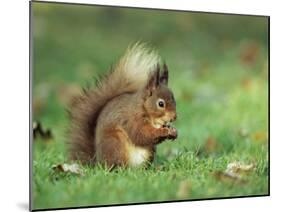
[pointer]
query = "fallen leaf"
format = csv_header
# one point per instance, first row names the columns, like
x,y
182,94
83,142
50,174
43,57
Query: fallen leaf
x,y
38,131
183,189
211,145
247,84
239,168
260,137
68,168
249,53
234,172
229,177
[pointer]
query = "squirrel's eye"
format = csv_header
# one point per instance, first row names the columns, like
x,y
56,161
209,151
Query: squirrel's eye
x,y
161,103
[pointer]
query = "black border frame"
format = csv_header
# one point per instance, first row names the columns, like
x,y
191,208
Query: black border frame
x,y
130,7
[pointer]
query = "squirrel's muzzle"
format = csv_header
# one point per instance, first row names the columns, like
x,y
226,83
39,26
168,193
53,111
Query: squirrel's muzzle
x,y
174,117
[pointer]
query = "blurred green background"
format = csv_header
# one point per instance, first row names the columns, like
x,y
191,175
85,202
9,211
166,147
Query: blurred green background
x,y
219,74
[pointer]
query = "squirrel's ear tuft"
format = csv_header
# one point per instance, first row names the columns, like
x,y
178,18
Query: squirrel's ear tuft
x,y
154,80
165,75
157,75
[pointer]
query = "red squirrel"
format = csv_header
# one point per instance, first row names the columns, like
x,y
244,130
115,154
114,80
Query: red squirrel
x,y
122,119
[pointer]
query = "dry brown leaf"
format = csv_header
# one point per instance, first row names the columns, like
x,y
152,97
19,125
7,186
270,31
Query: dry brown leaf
x,y
239,168
39,131
69,168
229,177
183,189
234,172
210,146
260,137
249,53
247,84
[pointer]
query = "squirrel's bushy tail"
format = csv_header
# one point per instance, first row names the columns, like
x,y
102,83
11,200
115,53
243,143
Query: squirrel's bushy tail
x,y
129,75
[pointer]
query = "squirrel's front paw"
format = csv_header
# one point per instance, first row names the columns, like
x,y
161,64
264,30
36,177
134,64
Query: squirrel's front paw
x,y
167,132
173,133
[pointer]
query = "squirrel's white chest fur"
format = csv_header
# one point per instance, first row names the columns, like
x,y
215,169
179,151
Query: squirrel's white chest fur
x,y
137,156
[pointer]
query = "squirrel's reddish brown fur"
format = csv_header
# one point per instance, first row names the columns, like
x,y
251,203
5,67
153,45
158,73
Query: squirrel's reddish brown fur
x,y
122,119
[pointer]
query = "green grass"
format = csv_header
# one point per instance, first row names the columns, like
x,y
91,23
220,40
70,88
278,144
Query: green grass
x,y
222,103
